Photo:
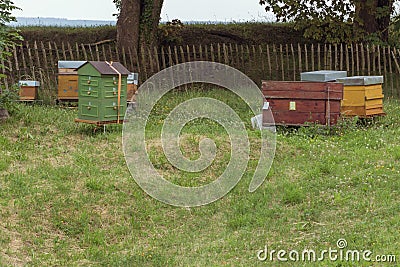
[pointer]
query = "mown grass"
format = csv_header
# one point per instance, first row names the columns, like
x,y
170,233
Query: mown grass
x,y
67,198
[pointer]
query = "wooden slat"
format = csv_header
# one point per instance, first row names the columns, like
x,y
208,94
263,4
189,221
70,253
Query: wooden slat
x,y
212,53
71,54
98,53
44,54
269,62
282,63
103,48
54,65
171,61
261,57
84,52
189,59
201,53
312,58
219,53
63,51
378,49
78,54
275,51
294,61
22,53
157,59
363,61
319,56
306,57
226,55
300,59
163,60
346,50
341,57
194,53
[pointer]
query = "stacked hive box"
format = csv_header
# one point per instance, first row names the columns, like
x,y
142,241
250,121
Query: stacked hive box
x,y
313,100
101,100
28,90
363,96
133,81
297,103
68,80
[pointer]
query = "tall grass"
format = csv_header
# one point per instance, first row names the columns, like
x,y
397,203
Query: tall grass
x,y
67,197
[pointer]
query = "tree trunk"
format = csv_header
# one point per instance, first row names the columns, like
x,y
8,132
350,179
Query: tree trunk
x,y
137,24
128,24
373,17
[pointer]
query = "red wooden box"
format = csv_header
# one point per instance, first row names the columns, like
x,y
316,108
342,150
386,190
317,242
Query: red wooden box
x,y
297,103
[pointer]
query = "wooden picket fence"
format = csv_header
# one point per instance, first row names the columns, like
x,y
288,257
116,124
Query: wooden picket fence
x,y
38,60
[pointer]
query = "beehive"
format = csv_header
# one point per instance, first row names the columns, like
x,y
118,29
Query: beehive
x,y
28,90
298,103
101,100
68,80
133,81
363,96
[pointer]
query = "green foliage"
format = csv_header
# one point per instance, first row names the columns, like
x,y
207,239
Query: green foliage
x,y
171,32
330,21
8,97
8,37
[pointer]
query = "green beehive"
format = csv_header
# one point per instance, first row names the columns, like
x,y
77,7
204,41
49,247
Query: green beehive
x,y
101,99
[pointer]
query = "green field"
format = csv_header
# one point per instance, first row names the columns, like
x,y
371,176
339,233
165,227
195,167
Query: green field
x,y
67,197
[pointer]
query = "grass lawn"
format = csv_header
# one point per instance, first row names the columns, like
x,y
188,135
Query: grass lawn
x,y
67,197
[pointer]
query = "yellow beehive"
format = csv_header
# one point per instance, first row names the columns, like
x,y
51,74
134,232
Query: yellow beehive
x,y
362,96
133,80
68,80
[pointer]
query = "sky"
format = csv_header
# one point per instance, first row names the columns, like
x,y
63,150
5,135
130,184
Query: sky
x,y
185,10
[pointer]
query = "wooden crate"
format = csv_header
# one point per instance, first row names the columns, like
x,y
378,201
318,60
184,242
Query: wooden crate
x,y
68,80
67,86
28,90
298,103
363,96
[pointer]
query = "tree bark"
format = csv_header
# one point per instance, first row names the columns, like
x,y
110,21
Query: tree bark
x,y
137,24
373,17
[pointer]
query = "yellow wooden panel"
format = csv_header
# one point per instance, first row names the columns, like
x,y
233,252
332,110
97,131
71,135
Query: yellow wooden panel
x,y
353,98
362,101
374,111
67,87
374,104
374,92
363,87
352,111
